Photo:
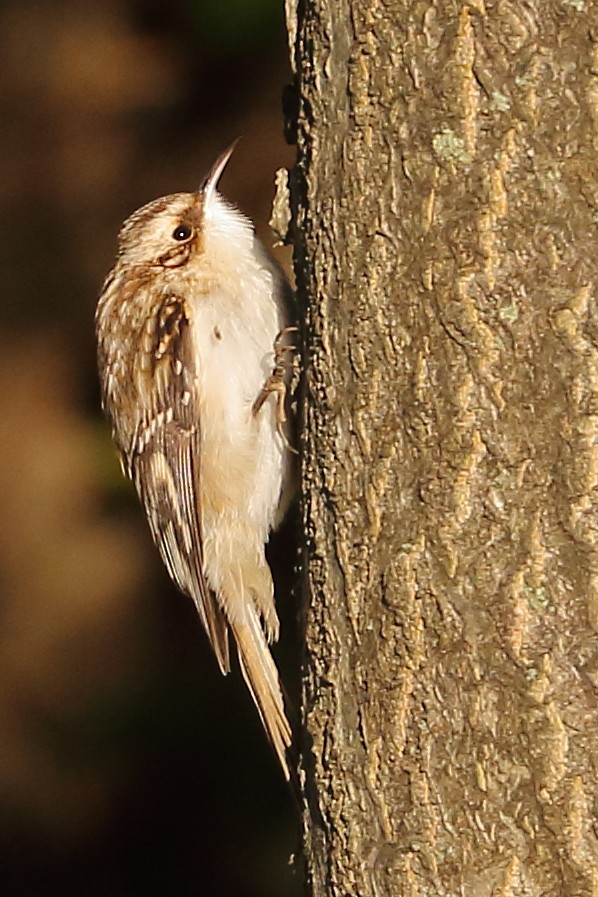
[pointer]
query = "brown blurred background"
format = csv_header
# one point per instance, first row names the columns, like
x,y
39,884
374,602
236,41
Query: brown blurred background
x,y
128,765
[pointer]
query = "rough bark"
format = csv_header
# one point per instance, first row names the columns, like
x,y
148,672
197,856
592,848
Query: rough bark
x,y
445,209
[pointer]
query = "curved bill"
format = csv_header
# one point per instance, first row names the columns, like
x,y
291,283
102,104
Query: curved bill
x,y
211,181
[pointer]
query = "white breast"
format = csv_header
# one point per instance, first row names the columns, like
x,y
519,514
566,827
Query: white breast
x,y
236,318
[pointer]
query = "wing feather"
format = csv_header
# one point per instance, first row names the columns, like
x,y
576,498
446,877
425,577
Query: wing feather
x,y
165,457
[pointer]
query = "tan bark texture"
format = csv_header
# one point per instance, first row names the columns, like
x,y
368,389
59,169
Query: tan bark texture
x,y
445,220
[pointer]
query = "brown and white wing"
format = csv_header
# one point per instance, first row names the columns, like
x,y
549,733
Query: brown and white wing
x,y
165,458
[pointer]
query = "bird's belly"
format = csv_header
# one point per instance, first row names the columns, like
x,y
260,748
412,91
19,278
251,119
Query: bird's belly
x,y
242,455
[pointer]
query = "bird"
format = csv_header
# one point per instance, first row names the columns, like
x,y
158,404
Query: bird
x,y
193,328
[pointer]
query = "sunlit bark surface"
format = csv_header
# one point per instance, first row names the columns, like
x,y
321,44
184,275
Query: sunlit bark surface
x,y
445,217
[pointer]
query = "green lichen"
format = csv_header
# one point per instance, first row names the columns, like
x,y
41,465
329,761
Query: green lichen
x,y
509,313
537,598
449,147
499,101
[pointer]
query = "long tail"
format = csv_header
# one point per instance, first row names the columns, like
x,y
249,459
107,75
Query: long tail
x,y
261,676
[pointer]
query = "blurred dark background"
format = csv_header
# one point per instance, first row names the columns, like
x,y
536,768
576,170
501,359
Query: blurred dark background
x,y
128,765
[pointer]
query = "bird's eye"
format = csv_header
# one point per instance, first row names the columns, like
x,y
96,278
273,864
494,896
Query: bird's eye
x,y
182,232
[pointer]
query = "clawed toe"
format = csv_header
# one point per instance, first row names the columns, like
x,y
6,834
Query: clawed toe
x,y
276,383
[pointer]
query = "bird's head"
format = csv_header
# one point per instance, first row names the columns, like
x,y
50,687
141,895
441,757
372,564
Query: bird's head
x,y
168,232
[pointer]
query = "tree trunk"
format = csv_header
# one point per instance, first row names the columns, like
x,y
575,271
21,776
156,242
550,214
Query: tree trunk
x,y
445,210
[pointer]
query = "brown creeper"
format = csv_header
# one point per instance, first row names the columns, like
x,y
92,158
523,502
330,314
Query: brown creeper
x,y
187,326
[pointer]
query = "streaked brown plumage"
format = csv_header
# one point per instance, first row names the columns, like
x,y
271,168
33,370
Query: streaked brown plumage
x,y
186,326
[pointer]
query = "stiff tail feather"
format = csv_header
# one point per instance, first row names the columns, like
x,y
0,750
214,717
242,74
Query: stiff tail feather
x,y
261,676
